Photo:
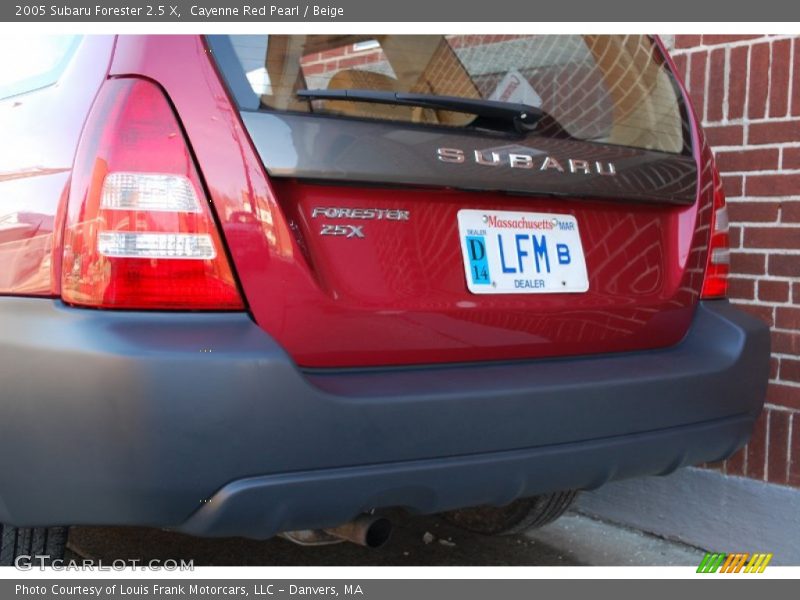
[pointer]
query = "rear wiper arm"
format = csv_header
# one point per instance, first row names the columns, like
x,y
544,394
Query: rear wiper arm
x,y
523,116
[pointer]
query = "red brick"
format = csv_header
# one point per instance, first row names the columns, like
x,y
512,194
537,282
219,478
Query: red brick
x,y
772,237
774,367
761,212
725,135
774,132
716,85
759,81
746,263
735,237
794,460
773,185
697,80
787,317
778,463
784,395
784,342
796,79
331,54
687,41
784,265
712,40
780,73
761,159
757,448
733,186
680,65
744,289
760,311
773,291
352,61
796,292
790,370
735,464
791,158
314,69
737,86
790,213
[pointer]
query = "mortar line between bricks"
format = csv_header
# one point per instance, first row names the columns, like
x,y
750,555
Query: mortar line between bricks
x,y
726,83
787,172
781,408
764,277
740,121
763,199
769,94
786,382
753,148
759,224
766,252
765,224
741,149
790,357
790,86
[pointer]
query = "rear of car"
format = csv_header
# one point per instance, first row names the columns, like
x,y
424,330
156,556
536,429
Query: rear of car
x,y
291,279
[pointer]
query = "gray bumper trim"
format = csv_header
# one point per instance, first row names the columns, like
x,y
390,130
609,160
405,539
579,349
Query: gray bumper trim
x,y
134,418
260,507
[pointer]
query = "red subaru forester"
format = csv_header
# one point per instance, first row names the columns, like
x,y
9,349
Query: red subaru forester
x,y
278,284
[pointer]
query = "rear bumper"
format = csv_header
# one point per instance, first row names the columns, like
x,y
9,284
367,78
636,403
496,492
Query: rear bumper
x,y
201,422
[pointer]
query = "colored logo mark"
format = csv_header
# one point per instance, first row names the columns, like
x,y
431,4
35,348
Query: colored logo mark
x,y
478,263
716,562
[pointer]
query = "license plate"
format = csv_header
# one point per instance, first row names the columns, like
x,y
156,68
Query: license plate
x,y
521,252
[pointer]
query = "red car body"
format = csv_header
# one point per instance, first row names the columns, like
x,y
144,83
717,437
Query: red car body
x,y
644,261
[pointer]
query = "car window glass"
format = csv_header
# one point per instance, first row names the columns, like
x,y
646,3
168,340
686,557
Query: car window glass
x,y
613,89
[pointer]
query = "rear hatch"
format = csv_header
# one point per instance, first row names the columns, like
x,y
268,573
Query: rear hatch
x,y
408,230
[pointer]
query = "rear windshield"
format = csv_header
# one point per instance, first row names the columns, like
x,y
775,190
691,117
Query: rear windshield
x,y
598,88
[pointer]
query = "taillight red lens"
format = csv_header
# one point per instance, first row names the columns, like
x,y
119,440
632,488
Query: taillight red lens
x,y
139,230
715,284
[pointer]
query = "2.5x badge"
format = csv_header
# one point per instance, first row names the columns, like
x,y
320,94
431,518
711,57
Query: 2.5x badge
x,y
350,230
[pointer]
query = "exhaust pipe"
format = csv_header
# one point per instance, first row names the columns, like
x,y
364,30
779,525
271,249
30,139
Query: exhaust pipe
x,y
367,530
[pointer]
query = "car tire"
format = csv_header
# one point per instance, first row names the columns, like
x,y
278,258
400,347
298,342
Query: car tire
x,y
514,518
33,542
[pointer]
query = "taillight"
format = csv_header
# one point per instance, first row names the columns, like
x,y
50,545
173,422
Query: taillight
x,y
715,284
139,231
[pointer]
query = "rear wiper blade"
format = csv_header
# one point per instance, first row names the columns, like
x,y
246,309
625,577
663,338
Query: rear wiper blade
x,y
523,116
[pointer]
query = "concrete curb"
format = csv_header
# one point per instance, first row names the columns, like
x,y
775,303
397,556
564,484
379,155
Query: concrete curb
x,y
706,509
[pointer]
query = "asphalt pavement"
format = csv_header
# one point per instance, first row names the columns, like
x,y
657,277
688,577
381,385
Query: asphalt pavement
x,y
572,540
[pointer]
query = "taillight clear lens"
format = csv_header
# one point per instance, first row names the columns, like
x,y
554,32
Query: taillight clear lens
x,y
715,284
139,231
149,191
123,244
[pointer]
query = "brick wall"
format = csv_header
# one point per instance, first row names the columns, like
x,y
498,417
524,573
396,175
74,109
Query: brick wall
x,y
746,89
